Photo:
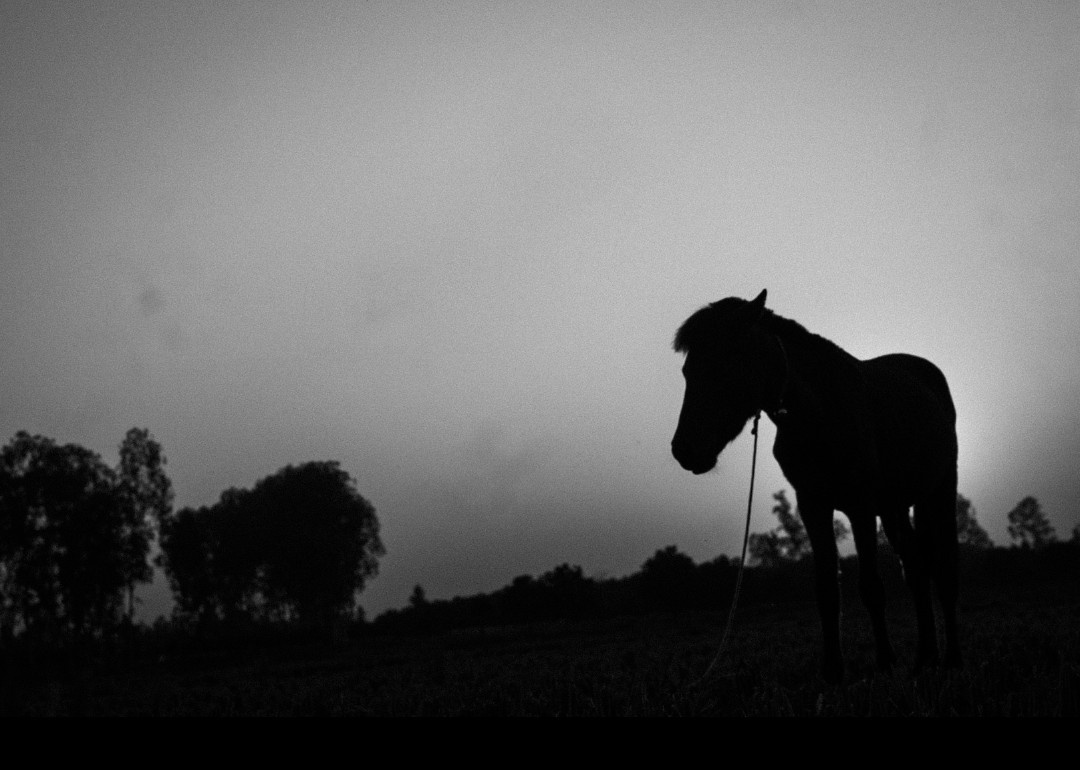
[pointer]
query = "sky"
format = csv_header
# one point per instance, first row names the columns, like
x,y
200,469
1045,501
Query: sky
x,y
448,245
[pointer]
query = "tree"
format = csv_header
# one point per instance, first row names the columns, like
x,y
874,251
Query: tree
x,y
765,549
567,593
61,539
793,541
19,522
146,495
668,579
417,598
298,546
211,556
90,558
788,541
238,545
968,530
518,600
321,539
1028,526
185,556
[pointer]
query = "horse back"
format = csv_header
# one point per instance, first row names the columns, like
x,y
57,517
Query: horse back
x,y
915,422
910,383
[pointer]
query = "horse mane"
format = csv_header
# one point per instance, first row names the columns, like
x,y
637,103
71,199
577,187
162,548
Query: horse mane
x,y
709,323
794,331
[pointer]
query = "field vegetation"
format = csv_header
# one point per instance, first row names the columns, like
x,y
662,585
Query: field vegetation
x,y
1021,630
266,622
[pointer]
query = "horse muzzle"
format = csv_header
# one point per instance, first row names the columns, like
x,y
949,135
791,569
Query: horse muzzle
x,y
693,459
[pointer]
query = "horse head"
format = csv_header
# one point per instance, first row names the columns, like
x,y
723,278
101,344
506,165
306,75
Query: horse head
x,y
730,361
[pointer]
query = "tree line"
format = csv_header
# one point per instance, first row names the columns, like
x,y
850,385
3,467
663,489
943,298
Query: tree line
x,y
76,536
1028,528
780,570
296,548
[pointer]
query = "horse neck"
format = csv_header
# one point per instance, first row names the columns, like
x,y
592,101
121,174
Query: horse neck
x,y
809,366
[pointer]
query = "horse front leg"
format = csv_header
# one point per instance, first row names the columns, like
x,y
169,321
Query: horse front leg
x,y
871,589
818,522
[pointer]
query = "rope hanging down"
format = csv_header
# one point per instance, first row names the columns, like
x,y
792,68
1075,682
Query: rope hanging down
x,y
742,559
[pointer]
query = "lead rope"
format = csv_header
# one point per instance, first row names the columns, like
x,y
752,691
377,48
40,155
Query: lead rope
x,y
742,560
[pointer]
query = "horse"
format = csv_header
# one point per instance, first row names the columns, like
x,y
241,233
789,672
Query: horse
x,y
872,439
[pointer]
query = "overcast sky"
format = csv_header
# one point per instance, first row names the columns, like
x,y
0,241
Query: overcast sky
x,y
447,244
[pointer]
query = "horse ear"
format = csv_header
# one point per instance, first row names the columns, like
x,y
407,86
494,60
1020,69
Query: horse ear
x,y
757,306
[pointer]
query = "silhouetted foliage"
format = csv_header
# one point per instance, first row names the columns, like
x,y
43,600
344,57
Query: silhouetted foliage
x,y
764,549
568,593
211,559
471,661
788,541
146,496
322,540
793,540
75,533
1028,525
668,580
968,531
298,546
64,540
561,593
185,555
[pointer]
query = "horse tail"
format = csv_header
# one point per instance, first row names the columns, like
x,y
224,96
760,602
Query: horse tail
x,y
935,529
936,518
935,380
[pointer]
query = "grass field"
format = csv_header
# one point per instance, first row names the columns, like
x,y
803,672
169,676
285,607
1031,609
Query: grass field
x,y
1022,650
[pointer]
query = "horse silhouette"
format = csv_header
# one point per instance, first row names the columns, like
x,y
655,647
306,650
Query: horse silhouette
x,y
869,438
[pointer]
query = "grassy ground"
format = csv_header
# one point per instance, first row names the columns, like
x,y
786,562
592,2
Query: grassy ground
x,y
1022,652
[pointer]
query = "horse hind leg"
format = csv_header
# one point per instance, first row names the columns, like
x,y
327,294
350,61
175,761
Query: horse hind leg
x,y
937,517
915,552
871,588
